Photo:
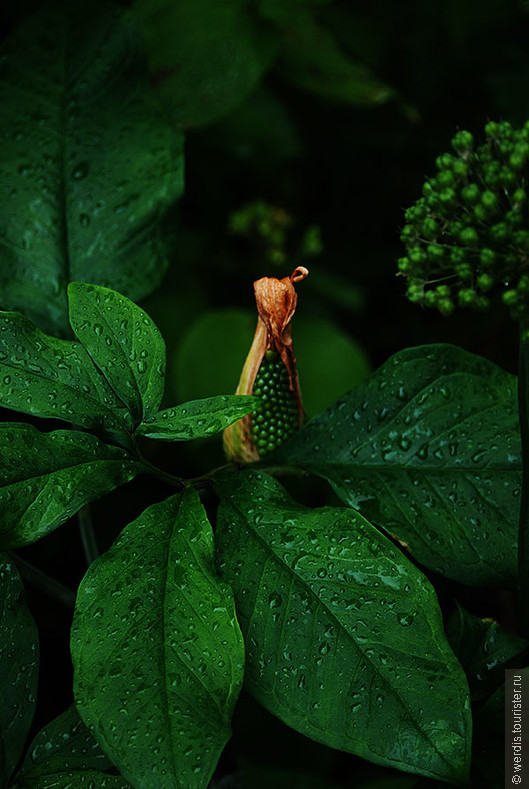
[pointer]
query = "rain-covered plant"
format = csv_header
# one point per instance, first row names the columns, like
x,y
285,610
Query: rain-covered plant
x,y
325,614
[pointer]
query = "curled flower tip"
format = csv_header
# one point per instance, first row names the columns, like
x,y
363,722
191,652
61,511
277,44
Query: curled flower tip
x,y
270,373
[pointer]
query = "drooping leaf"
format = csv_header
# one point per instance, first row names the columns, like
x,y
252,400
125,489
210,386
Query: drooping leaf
x,y
49,377
45,478
19,665
198,418
343,634
72,779
123,342
157,652
89,165
484,649
63,745
207,56
429,449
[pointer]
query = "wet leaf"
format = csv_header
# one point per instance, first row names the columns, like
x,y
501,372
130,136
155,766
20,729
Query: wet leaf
x,y
90,779
63,745
157,652
19,666
344,636
429,449
89,167
49,377
45,478
206,56
123,342
484,649
198,418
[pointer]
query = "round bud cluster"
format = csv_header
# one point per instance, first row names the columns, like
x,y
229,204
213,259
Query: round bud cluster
x,y
468,235
276,419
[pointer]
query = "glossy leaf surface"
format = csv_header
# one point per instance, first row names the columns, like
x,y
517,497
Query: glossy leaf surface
x,y
157,652
207,56
344,636
72,779
198,418
89,165
49,377
123,342
429,449
19,666
45,478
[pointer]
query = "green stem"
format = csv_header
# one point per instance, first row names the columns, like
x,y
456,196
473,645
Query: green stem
x,y
41,581
523,526
88,538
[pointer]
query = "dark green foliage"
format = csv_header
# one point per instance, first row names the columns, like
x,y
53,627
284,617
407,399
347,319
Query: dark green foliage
x,y
469,234
277,418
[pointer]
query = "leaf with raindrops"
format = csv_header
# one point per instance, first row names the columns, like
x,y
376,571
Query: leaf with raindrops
x,y
45,478
429,449
48,377
344,636
484,649
74,779
19,667
123,342
63,745
157,651
198,418
90,165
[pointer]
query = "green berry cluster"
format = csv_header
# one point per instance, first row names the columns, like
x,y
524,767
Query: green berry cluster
x,y
469,233
277,418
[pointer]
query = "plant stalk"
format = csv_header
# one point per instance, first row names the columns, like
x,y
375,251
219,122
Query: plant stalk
x,y
523,526
41,581
88,538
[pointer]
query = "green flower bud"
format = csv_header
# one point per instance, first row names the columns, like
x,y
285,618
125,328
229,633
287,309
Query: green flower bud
x,y
463,142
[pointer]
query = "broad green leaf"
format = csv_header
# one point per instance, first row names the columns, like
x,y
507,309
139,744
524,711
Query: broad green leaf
x,y
19,666
72,779
344,636
198,418
313,60
63,745
157,651
207,56
89,163
45,478
429,449
123,342
484,650
49,377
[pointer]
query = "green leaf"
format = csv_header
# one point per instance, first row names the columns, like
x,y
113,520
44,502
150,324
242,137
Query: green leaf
x,y
19,665
198,418
157,651
484,650
429,449
207,56
90,165
63,745
45,478
123,342
343,634
49,377
312,59
89,779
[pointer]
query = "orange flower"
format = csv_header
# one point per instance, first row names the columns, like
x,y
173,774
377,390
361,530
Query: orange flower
x,y
245,440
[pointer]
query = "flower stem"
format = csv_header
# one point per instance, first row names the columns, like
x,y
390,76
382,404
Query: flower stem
x,y
88,538
523,526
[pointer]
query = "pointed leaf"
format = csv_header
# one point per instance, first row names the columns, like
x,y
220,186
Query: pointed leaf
x,y
429,449
63,745
49,377
157,651
344,636
19,666
74,779
123,342
198,418
45,478
89,165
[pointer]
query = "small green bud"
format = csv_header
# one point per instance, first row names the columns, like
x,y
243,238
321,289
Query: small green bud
x,y
510,297
417,255
460,168
443,291
487,257
435,253
468,236
415,293
408,233
499,232
430,298
491,129
466,297
470,194
464,271
445,161
458,255
489,200
405,265
463,142
430,229
485,282
480,213
519,197
523,284
446,178
446,306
